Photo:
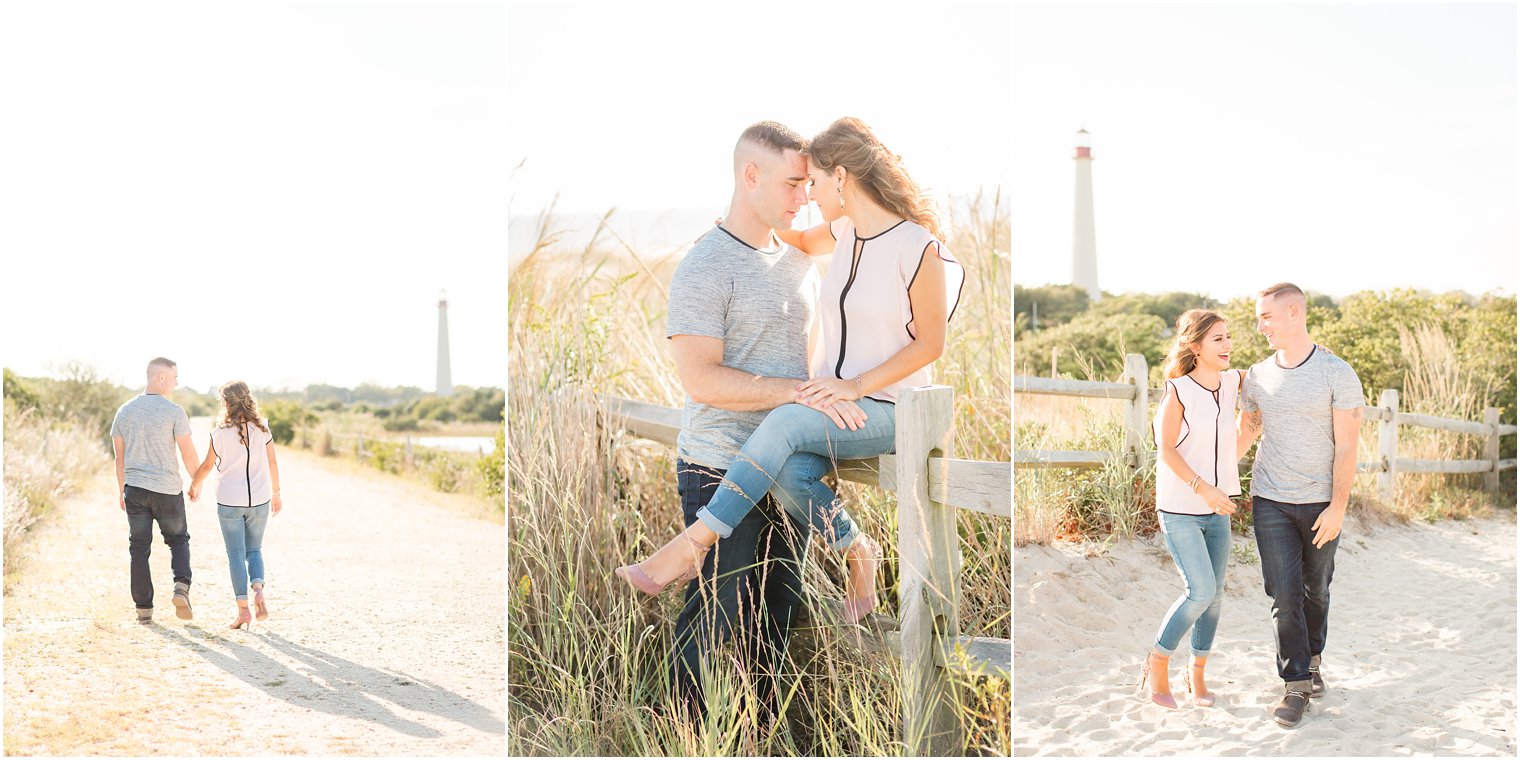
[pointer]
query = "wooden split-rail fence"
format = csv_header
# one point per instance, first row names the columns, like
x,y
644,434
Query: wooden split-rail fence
x,y
1134,391
930,487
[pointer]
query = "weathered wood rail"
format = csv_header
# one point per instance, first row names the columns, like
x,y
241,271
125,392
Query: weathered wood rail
x,y
1135,393
930,487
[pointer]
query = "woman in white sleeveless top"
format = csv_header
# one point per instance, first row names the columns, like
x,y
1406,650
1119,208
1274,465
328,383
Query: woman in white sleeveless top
x,y
886,302
247,492
1197,471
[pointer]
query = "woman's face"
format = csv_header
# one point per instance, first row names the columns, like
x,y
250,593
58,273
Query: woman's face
x,y
1214,349
823,189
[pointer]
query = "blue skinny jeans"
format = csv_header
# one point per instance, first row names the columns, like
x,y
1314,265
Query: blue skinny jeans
x,y
243,534
1200,545
787,455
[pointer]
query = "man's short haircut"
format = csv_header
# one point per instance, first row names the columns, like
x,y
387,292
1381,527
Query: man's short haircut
x,y
1282,288
160,362
773,135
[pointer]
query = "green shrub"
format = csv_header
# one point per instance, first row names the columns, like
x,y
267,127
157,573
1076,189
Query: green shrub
x,y
400,424
444,472
19,393
384,455
285,417
493,467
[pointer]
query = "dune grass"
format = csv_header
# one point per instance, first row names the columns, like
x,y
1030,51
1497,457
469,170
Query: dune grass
x,y
586,660
44,460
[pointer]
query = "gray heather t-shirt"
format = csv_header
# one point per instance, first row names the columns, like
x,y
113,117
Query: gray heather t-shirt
x,y
761,304
148,426
1297,453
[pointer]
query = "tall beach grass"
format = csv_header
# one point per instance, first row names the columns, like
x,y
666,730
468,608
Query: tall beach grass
x,y
45,459
586,659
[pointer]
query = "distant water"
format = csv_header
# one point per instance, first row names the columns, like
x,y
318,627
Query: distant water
x,y
647,232
468,443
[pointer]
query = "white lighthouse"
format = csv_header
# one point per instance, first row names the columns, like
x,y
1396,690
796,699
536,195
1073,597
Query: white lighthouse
x,y
445,383
1084,243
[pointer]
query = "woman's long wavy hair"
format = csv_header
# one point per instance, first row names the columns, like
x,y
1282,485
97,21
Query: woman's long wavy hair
x,y
848,142
240,407
1191,327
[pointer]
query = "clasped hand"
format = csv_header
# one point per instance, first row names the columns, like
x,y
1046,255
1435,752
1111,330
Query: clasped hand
x,y
1217,499
822,391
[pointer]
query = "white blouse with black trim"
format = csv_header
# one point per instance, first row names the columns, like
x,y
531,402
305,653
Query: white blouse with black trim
x,y
867,315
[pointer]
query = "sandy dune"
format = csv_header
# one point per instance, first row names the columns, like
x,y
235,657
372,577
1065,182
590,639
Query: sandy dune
x,y
386,635
1420,660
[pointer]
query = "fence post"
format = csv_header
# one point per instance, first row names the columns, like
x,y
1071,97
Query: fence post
x,y
928,574
1388,446
1138,411
1491,449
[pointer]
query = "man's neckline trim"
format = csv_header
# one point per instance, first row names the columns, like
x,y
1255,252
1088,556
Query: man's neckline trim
x,y
780,246
1313,347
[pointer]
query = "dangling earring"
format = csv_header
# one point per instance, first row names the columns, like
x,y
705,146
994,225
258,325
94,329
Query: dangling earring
x,y
841,198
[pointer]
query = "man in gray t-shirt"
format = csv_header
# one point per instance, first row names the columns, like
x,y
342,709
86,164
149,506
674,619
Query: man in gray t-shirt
x,y
146,433
1307,405
759,303
741,308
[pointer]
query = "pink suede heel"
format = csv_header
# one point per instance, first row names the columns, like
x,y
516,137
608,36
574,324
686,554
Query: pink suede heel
x,y
1165,700
640,580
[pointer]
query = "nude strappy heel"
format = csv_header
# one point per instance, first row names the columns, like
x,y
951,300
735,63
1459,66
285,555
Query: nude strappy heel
x,y
1165,700
1206,699
636,577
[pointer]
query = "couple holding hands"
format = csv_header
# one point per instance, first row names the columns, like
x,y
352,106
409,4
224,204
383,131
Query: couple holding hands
x,y
147,432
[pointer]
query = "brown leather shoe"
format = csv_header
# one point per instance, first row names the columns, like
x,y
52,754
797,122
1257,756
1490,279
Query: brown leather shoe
x,y
1295,701
182,601
1318,680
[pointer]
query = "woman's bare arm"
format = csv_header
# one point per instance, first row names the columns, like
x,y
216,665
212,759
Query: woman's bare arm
x,y
275,503
817,240
198,478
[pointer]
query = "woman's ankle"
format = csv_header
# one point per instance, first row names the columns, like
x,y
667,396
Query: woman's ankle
x,y
700,535
862,547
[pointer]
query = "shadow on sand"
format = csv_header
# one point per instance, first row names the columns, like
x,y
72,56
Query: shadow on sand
x,y
334,685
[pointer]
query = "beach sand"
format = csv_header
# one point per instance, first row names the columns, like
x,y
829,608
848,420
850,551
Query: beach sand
x,y
1420,657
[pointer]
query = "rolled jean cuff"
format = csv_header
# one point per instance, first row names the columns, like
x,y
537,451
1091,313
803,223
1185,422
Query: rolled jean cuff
x,y
723,529
1163,651
1201,653
841,544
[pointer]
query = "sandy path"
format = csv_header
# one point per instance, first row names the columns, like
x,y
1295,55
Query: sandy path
x,y
385,635
1420,660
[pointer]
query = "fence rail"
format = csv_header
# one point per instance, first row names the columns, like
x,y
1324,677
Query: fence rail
x,y
930,485
1136,395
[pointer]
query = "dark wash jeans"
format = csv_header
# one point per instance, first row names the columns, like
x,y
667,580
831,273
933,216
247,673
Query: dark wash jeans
x,y
143,507
1297,577
756,598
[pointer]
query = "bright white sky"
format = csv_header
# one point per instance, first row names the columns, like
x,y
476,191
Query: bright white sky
x,y
637,106
267,191
1342,147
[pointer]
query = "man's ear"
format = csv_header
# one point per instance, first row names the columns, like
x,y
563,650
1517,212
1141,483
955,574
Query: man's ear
x,y
751,175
